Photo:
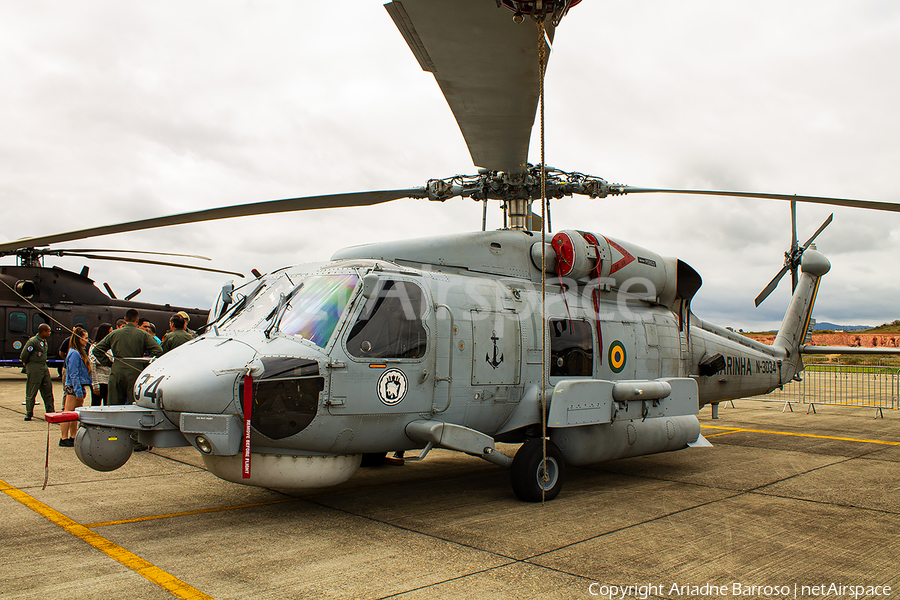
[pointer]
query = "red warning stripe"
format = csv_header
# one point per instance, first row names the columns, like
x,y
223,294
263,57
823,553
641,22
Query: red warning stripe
x,y
626,259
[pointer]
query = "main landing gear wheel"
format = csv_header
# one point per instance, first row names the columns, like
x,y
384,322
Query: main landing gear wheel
x,y
533,478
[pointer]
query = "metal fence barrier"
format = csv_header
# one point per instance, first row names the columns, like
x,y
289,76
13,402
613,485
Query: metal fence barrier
x,y
875,386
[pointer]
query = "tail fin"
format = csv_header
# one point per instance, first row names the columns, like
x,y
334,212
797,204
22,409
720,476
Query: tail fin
x,y
796,320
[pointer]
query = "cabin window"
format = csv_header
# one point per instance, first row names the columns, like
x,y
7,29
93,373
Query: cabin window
x,y
37,319
80,320
18,322
571,348
390,324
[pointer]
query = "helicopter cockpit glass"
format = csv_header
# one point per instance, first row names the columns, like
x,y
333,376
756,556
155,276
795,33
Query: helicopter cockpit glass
x,y
309,307
223,303
227,318
317,306
571,348
390,324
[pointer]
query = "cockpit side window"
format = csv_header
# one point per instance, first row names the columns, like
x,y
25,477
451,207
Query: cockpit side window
x,y
390,324
571,348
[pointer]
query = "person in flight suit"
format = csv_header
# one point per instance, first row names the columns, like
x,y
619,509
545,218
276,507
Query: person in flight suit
x,y
127,342
187,323
34,356
178,333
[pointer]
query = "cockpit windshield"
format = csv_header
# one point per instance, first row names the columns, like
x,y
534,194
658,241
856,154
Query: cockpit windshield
x,y
310,306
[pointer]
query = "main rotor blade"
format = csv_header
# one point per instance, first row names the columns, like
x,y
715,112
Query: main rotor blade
x,y
153,262
62,251
226,212
772,285
868,204
487,68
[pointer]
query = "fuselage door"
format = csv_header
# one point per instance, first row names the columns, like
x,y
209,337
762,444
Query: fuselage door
x,y
496,348
385,363
649,367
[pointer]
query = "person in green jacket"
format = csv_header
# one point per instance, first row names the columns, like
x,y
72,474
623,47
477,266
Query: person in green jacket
x,y
127,342
34,357
178,333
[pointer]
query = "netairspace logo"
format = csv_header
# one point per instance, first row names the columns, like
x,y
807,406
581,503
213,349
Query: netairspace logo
x,y
736,590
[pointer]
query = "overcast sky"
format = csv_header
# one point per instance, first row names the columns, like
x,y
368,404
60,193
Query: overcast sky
x,y
117,110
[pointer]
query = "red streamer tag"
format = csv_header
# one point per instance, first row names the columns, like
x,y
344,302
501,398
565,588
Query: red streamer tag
x,y
248,407
61,416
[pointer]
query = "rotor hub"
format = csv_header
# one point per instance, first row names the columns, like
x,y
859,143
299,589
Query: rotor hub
x,y
518,190
506,187
539,10
31,257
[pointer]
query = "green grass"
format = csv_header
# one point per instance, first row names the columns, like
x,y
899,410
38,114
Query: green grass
x,y
845,368
888,360
893,327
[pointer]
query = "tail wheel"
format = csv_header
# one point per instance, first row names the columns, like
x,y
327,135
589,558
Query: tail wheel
x,y
535,478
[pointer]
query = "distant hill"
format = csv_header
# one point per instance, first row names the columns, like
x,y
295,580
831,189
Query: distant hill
x,y
893,327
820,325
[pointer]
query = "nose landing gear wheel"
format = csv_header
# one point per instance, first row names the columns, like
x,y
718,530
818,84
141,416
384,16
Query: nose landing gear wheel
x,y
534,478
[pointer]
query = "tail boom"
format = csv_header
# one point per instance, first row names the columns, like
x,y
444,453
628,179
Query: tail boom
x,y
796,321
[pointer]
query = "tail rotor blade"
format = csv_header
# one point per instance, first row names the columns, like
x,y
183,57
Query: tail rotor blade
x,y
793,225
772,284
818,231
793,257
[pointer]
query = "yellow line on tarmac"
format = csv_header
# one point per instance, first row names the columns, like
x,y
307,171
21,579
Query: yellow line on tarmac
x,y
809,435
134,562
188,513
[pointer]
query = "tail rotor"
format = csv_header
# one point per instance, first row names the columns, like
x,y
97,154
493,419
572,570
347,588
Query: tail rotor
x,y
793,257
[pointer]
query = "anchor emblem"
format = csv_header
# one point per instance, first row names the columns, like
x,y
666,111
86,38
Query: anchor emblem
x,y
494,362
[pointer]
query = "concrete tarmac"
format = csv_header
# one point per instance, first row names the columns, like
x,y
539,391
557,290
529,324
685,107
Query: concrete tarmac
x,y
791,501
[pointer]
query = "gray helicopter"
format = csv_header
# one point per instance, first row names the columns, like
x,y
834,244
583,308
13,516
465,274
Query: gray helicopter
x,y
579,346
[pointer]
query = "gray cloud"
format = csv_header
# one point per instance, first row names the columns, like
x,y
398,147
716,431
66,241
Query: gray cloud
x,y
114,111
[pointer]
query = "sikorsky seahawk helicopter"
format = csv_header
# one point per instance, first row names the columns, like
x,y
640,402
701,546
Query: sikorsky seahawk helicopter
x,y
580,347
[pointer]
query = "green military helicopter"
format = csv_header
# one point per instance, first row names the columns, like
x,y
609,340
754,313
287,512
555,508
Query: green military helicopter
x,y
32,294
580,347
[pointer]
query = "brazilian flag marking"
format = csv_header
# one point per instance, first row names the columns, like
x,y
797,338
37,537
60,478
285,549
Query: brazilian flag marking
x,y
617,356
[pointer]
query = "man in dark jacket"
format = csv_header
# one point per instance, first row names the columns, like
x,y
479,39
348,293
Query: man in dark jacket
x,y
34,357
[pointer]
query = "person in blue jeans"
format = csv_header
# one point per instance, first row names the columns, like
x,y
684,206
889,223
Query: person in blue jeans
x,y
78,380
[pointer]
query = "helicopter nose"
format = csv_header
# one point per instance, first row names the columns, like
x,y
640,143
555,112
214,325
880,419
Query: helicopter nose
x,y
202,376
